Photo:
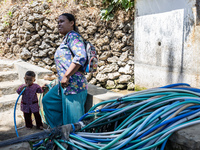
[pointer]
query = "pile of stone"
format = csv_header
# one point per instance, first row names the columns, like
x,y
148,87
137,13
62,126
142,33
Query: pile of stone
x,y
30,32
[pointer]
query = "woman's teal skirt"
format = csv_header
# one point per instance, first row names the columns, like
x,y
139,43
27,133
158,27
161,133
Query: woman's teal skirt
x,y
61,109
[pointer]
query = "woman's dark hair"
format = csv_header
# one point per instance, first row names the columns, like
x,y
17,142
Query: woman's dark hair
x,y
30,73
70,17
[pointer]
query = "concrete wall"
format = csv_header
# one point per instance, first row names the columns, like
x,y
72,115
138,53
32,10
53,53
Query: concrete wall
x,y
167,38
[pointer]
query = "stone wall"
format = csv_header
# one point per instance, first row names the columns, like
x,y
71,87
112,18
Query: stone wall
x,y
29,32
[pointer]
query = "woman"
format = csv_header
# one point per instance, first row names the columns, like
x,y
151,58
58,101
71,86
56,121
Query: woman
x,y
64,103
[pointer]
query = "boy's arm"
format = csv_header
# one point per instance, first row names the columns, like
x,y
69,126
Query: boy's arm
x,y
44,87
19,90
39,89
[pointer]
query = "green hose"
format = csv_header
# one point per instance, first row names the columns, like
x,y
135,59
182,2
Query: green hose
x,y
91,144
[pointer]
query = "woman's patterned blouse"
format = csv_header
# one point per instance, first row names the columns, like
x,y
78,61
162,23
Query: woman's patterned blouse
x,y
63,58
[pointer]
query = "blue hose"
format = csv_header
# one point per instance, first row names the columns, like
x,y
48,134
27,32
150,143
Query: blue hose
x,y
163,145
15,112
38,144
175,84
89,140
168,121
190,89
139,128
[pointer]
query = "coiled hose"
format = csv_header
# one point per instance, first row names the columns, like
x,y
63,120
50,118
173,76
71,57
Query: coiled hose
x,y
141,120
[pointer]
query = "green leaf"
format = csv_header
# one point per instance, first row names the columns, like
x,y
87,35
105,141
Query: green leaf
x,y
110,8
113,5
10,13
130,4
124,3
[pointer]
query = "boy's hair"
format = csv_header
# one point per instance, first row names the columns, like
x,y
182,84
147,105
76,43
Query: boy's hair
x,y
30,73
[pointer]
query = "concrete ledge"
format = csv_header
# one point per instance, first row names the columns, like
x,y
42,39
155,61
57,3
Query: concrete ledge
x,y
98,94
101,93
22,67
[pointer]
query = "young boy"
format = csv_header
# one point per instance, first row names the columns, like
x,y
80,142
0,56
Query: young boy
x,y
29,102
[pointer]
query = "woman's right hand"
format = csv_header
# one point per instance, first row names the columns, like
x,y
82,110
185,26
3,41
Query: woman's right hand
x,y
64,81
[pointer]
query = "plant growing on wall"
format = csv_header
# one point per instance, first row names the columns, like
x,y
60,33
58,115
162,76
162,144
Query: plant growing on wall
x,y
113,5
10,14
6,19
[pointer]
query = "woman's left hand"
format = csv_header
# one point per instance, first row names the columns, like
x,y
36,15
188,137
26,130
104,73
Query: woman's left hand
x,y
64,81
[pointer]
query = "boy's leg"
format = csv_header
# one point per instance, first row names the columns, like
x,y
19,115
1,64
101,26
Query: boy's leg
x,y
28,120
38,119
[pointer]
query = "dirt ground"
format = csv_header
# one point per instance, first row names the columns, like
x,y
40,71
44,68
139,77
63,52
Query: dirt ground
x,y
7,127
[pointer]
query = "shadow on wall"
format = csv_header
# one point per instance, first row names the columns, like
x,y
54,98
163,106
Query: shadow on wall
x,y
198,12
188,23
171,65
187,26
180,76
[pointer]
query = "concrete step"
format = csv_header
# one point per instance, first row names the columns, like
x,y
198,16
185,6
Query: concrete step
x,y
7,102
9,87
21,67
8,76
6,65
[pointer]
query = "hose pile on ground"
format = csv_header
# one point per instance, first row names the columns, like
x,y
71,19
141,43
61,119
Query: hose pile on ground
x,y
140,120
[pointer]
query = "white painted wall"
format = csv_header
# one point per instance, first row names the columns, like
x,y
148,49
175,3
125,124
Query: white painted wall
x,y
166,43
